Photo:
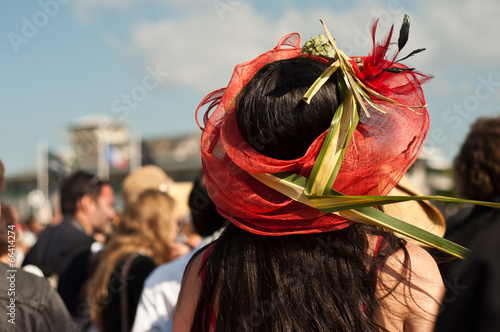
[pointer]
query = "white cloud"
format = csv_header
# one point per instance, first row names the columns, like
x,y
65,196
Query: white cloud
x,y
463,32
200,50
85,9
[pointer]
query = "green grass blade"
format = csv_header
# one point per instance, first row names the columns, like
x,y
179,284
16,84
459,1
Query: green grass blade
x,y
375,217
289,184
327,155
320,81
370,101
359,208
350,126
331,155
338,202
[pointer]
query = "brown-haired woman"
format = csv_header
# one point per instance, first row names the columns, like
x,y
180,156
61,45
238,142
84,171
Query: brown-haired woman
x,y
143,239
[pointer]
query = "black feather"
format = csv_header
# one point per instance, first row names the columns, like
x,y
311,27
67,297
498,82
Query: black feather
x,y
404,32
411,54
397,70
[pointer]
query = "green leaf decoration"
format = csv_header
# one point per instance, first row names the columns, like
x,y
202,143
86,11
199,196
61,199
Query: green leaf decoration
x,y
320,82
360,208
371,216
320,46
329,159
344,122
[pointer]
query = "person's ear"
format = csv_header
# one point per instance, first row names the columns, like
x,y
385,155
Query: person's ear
x,y
85,203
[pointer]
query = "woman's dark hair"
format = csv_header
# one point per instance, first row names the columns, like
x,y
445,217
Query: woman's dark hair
x,y
271,114
477,165
206,219
307,282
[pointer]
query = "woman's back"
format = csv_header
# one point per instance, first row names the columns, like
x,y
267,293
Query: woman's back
x,y
288,171
312,287
124,290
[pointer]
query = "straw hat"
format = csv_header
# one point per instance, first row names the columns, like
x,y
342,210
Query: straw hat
x,y
418,213
153,177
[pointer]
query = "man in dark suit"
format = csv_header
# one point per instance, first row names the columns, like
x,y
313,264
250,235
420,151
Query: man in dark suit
x,y
87,207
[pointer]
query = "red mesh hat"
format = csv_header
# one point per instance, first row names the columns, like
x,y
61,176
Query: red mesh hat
x,y
382,148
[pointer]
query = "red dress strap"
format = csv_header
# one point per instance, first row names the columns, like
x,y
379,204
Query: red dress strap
x,y
377,247
203,266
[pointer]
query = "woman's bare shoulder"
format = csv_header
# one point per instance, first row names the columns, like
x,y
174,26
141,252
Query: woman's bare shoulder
x,y
189,294
414,300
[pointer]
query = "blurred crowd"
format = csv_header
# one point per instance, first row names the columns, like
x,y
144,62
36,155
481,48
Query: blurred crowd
x,y
98,271
94,269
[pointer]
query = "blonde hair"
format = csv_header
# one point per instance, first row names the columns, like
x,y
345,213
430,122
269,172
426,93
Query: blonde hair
x,y
149,226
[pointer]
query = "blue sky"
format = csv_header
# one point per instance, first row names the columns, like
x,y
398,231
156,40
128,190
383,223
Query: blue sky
x,y
62,60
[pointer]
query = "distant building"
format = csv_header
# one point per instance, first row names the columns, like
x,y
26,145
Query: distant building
x,y
101,146
95,138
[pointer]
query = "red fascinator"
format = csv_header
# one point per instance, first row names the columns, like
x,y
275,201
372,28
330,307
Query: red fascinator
x,y
384,144
375,135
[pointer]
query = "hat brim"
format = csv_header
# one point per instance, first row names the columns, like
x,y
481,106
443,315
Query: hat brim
x,y
418,213
180,191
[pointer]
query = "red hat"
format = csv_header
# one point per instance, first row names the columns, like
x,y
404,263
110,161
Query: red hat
x,y
382,148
